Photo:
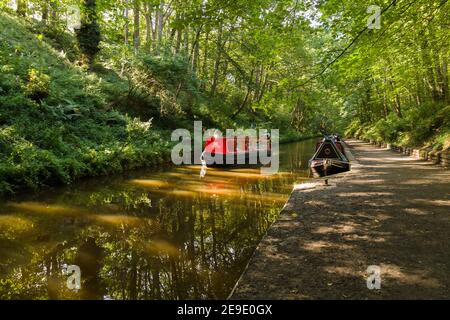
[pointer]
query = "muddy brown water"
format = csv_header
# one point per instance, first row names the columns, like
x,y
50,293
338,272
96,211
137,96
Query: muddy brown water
x,y
144,235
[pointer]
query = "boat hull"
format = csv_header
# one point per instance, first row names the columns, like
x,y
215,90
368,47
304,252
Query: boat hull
x,y
327,167
219,160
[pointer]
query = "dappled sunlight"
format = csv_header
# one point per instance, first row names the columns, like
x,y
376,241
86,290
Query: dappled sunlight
x,y
369,181
46,209
286,174
193,191
344,271
349,227
177,175
272,252
150,183
365,238
440,203
238,175
218,191
13,225
305,186
318,246
375,215
245,170
177,193
417,211
193,168
119,220
208,185
318,203
416,277
368,204
363,194
268,197
161,247
418,181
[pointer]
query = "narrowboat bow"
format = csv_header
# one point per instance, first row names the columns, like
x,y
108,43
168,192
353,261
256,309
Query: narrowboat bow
x,y
329,158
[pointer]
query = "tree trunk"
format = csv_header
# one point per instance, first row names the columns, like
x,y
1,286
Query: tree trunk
x,y
398,106
21,8
205,57
126,27
195,51
247,96
148,26
137,21
186,41
54,11
179,39
160,24
385,105
154,33
217,62
243,104
45,12
442,73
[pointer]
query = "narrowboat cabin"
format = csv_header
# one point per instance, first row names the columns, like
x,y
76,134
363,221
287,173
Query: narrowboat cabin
x,y
229,152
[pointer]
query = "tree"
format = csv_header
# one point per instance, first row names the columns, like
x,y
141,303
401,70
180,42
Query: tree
x,y
88,35
136,33
21,8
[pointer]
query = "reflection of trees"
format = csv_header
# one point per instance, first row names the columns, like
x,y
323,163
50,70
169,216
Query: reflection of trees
x,y
89,258
180,248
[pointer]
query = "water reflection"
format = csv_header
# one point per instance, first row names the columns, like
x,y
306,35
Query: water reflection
x,y
148,235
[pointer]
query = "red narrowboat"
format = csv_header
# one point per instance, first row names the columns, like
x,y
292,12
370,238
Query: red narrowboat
x,y
222,151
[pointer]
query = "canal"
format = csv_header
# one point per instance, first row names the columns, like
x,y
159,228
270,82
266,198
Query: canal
x,y
149,234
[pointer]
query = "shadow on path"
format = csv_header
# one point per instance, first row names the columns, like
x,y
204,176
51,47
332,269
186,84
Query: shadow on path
x,y
391,211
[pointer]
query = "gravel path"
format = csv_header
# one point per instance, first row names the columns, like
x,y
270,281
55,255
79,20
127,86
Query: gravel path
x,y
391,211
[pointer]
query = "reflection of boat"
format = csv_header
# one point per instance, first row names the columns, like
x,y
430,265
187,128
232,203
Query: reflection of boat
x,y
221,151
329,157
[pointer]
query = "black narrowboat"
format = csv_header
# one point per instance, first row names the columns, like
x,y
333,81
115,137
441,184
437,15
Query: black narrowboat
x,y
329,158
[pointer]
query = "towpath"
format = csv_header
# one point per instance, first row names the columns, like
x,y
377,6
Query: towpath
x,y
390,211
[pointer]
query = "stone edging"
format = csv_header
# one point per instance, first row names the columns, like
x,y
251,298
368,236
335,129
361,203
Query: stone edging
x,y
427,154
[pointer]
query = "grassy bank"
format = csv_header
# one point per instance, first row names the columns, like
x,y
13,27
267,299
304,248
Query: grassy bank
x,y
55,123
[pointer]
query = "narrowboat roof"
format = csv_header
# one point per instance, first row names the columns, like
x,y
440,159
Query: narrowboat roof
x,y
328,150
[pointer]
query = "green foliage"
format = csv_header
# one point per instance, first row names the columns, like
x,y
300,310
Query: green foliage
x,y
38,85
394,81
58,38
423,125
442,141
88,35
69,134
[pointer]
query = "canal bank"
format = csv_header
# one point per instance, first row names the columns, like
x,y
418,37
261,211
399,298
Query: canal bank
x,y
391,211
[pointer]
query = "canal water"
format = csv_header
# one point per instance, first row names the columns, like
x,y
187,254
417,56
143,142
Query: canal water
x,y
164,234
